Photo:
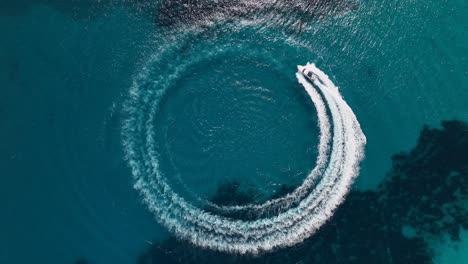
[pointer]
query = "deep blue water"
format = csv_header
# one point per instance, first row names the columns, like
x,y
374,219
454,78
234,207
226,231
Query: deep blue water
x,y
231,112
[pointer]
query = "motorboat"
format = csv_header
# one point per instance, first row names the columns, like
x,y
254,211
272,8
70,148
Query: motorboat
x,y
308,73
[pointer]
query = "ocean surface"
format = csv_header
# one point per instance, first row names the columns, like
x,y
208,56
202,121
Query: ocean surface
x,y
127,125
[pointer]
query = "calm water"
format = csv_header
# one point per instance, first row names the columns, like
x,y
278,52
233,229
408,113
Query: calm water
x,y
230,112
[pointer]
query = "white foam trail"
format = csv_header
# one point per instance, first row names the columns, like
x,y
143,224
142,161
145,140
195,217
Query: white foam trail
x,y
303,211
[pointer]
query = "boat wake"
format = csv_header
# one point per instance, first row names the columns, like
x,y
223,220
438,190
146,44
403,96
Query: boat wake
x,y
281,222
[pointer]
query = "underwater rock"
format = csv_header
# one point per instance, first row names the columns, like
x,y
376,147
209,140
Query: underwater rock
x,y
230,194
428,187
181,12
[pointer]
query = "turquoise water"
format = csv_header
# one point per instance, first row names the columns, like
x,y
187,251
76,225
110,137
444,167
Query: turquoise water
x,y
232,109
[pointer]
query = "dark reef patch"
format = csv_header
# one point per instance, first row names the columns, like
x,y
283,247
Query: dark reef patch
x,y
230,194
181,12
424,189
174,13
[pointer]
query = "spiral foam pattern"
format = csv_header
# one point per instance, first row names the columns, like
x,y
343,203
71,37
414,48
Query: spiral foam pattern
x,y
298,215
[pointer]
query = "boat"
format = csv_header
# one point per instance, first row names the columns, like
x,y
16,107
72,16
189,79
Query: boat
x,y
309,74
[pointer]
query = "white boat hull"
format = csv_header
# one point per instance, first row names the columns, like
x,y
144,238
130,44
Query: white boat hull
x,y
308,73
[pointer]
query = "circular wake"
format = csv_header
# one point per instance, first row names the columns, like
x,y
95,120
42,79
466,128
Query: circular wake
x,y
282,221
